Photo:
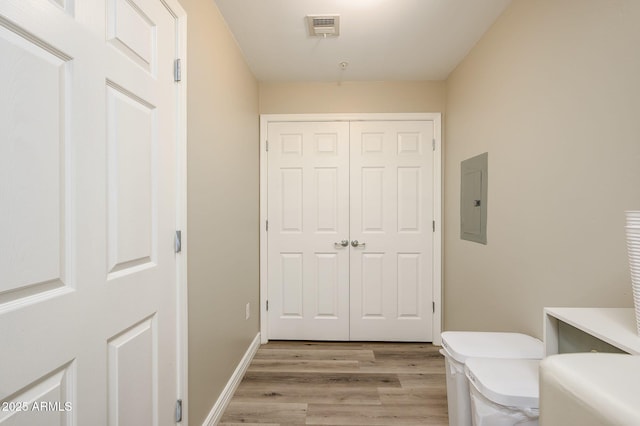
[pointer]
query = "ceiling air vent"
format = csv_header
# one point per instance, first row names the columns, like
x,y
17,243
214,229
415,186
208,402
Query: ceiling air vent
x,y
323,25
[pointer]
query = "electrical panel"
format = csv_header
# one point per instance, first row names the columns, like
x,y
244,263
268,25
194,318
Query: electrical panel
x,y
473,199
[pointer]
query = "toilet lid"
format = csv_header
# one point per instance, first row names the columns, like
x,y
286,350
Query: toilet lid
x,y
508,382
461,345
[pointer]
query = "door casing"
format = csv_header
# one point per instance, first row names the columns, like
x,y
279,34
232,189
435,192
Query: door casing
x,y
265,119
182,302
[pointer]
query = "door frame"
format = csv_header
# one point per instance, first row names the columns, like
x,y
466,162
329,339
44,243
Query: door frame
x,y
181,288
436,117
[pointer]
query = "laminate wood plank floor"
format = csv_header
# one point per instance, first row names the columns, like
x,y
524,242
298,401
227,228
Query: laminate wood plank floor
x,y
341,383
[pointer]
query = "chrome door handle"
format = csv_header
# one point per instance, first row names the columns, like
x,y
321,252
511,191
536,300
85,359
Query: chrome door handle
x,y
342,243
355,243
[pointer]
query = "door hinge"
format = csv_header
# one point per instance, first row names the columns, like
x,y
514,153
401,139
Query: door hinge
x,y
178,411
267,146
267,306
433,225
433,144
433,307
266,226
178,241
177,71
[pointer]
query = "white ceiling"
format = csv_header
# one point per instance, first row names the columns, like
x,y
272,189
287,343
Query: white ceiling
x,y
380,39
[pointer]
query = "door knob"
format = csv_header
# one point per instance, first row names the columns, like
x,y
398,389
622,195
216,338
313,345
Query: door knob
x,y
342,243
355,243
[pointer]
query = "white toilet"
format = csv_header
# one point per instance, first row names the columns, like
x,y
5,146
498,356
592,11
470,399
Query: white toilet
x,y
459,346
504,392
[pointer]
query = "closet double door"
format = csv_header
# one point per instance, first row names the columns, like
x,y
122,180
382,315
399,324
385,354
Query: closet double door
x,y
350,237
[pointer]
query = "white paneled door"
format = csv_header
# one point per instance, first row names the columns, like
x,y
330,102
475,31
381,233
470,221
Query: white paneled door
x,y
350,238
391,230
88,176
308,247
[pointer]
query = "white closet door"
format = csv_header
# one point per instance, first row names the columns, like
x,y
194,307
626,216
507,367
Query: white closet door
x,y
308,210
369,184
391,219
88,195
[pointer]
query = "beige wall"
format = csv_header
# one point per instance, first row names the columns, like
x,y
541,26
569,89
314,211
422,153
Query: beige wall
x,y
223,196
352,97
552,93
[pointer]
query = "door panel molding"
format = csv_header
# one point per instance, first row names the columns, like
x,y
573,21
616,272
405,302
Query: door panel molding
x,y
406,144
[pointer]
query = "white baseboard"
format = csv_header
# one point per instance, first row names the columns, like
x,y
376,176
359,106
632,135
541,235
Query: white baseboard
x,y
227,393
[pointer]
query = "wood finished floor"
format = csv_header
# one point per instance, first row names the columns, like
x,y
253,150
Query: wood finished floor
x,y
325,383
